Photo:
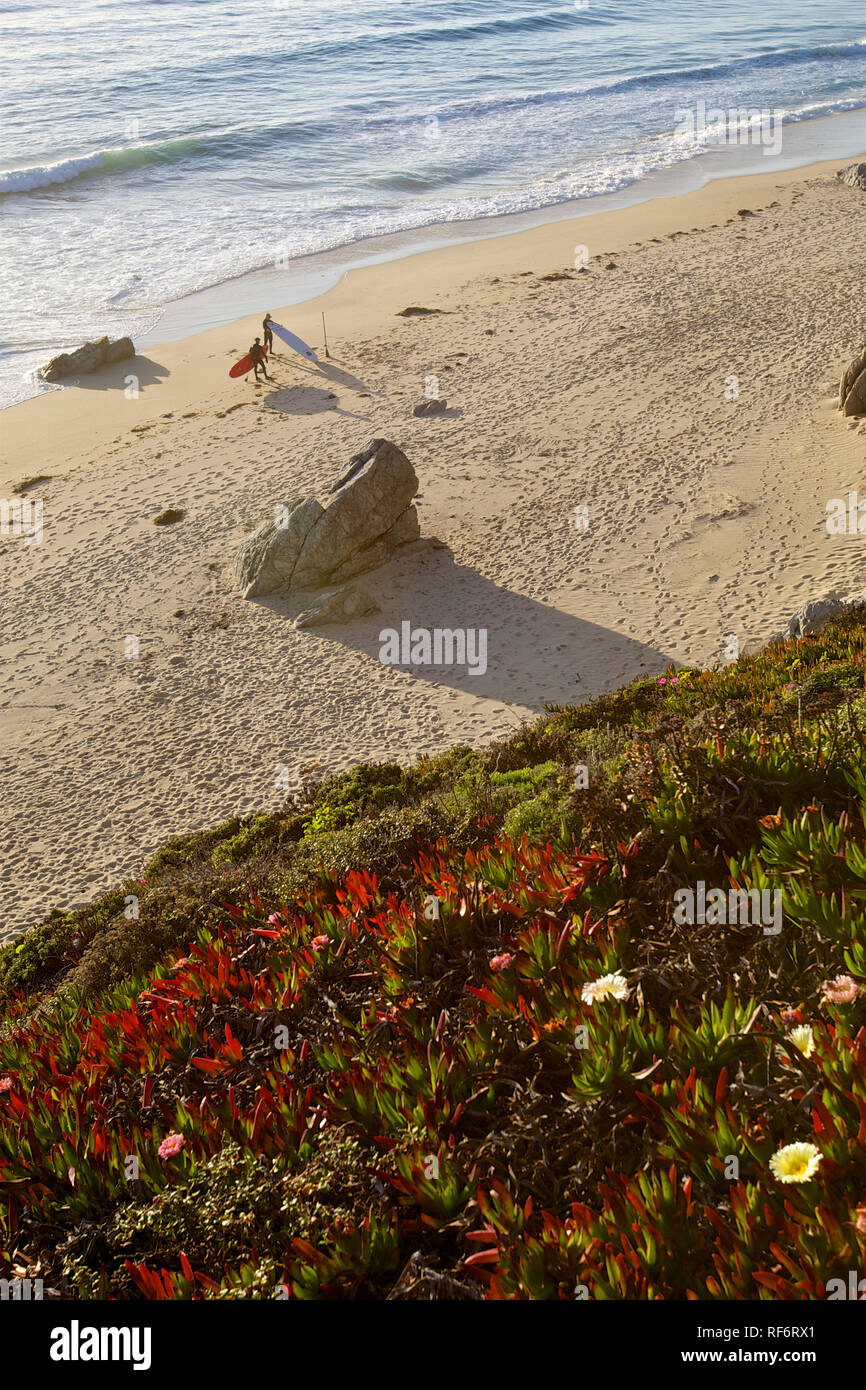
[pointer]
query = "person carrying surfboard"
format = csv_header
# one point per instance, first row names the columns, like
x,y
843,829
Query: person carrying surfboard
x,y
257,353
269,337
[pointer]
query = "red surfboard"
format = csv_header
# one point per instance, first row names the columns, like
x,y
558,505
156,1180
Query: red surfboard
x,y
245,365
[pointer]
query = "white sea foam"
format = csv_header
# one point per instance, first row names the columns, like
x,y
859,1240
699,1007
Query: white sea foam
x,y
43,175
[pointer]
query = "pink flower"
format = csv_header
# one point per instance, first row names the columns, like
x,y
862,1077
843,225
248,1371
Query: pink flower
x,y
179,964
790,1017
501,962
320,943
792,685
842,990
663,680
70,1173
6,1083
171,1145
274,919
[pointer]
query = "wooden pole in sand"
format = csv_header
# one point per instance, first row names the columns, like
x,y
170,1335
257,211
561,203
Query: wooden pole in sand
x,y
325,331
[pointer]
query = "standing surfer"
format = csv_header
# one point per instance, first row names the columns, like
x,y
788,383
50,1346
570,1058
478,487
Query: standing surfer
x,y
269,337
257,353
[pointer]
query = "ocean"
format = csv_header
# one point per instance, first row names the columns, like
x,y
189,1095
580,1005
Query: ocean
x,y
154,148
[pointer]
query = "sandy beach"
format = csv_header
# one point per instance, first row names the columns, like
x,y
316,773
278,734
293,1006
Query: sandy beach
x,y
683,389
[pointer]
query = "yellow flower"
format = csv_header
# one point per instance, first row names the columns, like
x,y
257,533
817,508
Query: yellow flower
x,y
803,1039
796,1163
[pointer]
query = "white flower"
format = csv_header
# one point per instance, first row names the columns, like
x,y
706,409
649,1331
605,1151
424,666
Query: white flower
x,y
608,987
796,1163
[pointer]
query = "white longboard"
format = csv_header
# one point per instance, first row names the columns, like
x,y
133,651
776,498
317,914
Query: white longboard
x,y
293,341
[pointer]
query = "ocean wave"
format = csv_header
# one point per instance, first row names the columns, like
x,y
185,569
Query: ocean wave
x,y
734,67
815,109
559,18
386,43
463,107
236,142
108,161
385,46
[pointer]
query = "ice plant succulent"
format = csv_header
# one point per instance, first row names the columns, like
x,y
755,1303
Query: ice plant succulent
x,y
795,1163
318,1141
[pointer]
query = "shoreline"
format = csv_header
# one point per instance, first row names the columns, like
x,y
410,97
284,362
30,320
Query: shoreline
x,y
386,282
311,277
215,306
605,388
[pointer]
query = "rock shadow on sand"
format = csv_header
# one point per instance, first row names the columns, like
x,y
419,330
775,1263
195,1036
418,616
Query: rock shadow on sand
x,y
535,654
116,377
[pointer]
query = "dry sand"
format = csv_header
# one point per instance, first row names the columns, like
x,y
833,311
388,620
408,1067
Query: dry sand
x,y
605,390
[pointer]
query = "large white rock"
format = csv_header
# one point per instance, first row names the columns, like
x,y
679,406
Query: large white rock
x,y
369,516
89,358
266,561
338,606
854,175
813,617
852,388
359,528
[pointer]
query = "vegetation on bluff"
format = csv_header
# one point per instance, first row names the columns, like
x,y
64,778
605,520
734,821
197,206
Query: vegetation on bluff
x,y
435,1032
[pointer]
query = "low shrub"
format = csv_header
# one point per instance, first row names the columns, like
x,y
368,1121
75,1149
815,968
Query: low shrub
x,y
456,1041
